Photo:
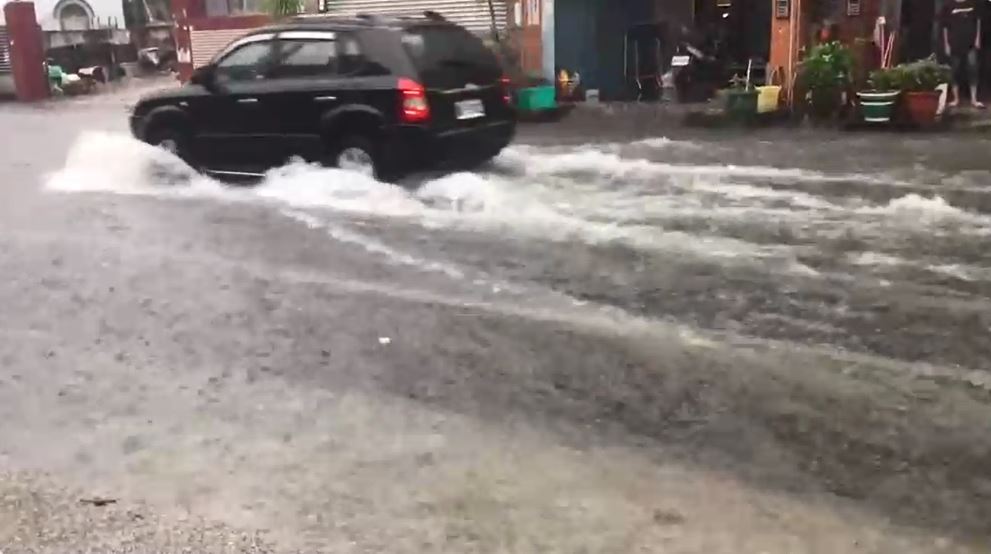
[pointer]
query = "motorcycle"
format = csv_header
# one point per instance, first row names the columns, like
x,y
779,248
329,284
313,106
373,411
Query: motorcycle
x,y
697,71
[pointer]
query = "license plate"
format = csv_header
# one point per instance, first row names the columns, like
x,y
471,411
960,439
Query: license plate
x,y
469,109
680,61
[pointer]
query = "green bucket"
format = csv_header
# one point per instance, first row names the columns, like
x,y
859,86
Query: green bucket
x,y
877,107
741,104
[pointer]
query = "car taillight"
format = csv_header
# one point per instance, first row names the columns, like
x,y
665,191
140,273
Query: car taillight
x,y
414,107
507,95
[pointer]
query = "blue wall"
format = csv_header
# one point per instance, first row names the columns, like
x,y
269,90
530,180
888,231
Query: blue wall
x,y
589,37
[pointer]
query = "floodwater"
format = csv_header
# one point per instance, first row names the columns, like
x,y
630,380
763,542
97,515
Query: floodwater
x,y
555,352
891,263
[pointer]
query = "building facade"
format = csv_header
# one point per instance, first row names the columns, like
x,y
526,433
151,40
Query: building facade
x,y
475,15
79,15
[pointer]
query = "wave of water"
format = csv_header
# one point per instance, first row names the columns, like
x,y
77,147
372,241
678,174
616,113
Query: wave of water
x,y
547,194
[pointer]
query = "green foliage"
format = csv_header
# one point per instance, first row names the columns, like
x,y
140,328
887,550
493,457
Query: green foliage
x,y
882,80
922,76
828,67
284,8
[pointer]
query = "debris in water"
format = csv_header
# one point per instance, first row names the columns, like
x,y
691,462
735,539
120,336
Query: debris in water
x,y
97,501
384,340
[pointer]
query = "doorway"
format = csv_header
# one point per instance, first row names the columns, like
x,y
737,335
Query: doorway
x,y
919,29
740,30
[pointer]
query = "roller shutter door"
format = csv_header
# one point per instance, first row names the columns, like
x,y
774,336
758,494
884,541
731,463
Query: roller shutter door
x,y
471,14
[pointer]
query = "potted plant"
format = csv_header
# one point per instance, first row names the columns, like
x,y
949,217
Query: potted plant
x,y
878,102
826,74
919,81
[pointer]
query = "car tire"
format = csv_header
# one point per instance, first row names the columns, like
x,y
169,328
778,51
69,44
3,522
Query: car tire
x,y
356,153
171,140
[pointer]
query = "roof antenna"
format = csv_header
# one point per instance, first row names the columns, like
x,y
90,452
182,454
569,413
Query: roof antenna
x,y
433,16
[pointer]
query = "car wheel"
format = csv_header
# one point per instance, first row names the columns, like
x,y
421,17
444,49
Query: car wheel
x,y
356,154
171,140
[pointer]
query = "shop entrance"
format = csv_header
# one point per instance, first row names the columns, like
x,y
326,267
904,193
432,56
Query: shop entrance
x,y
740,30
589,39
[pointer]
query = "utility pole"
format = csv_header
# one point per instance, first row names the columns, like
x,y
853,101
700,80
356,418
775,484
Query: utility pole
x,y
494,21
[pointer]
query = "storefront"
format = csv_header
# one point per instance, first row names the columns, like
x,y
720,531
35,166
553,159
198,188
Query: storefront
x,y
607,41
739,30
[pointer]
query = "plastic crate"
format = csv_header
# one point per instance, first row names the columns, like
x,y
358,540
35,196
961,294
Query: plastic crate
x,y
535,99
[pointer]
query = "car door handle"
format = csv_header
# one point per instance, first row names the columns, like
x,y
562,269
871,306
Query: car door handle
x,y
247,101
324,98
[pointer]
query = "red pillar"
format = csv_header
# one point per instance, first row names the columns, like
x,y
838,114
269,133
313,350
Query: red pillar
x,y
27,51
182,12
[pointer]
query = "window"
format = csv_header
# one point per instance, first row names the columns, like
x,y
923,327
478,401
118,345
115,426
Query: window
x,y
306,58
351,61
237,7
450,57
74,15
245,62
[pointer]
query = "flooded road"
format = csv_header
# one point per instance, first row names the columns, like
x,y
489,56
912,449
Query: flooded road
x,y
614,338
891,261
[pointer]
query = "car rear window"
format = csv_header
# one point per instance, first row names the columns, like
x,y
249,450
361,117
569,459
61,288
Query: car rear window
x,y
450,57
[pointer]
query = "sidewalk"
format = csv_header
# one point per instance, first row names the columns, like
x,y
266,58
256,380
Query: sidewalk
x,y
633,120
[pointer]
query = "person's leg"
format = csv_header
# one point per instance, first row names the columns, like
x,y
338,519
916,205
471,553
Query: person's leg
x,y
956,65
973,74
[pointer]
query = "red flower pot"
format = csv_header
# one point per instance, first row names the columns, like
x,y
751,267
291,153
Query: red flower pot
x,y
922,106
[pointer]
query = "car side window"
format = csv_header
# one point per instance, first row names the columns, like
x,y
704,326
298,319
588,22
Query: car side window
x,y
353,61
306,58
245,63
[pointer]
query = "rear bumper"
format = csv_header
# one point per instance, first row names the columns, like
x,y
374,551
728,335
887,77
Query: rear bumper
x,y
421,148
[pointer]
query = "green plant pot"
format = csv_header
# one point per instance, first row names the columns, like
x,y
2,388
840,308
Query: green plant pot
x,y
741,104
877,106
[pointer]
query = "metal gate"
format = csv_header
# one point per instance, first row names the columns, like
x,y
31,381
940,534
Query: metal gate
x,y
4,51
207,44
474,15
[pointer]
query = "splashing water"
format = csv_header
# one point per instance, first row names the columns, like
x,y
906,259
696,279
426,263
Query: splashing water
x,y
589,194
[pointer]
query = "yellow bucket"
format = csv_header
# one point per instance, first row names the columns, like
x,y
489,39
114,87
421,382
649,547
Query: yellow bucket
x,y
767,98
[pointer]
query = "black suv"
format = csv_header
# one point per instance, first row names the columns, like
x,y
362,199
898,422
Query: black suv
x,y
380,96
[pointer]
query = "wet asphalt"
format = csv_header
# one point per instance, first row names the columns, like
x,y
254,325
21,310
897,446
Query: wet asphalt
x,y
606,341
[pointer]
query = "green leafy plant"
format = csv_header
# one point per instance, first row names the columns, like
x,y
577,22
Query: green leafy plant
x,y
883,80
828,66
284,8
923,75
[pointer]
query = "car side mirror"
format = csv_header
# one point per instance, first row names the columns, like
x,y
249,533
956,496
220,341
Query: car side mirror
x,y
203,76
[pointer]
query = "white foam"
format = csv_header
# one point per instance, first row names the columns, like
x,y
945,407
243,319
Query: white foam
x,y
537,204
876,259
369,244
658,142
302,185
115,163
963,272
914,209
592,159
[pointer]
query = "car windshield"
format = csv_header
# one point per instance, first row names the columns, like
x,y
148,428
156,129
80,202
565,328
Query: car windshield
x,y
450,57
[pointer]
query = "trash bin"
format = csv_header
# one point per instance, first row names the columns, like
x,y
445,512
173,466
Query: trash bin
x,y
534,99
767,98
741,104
